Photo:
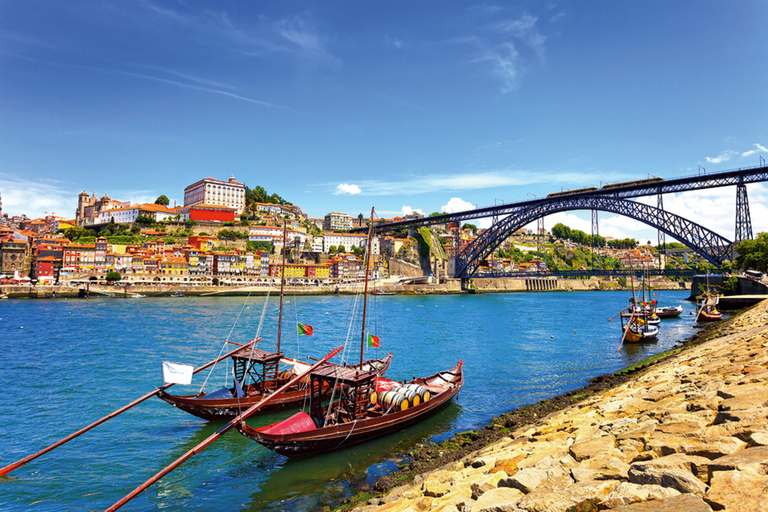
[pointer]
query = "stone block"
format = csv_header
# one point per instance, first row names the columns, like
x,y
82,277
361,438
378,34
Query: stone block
x,y
710,447
679,479
738,490
698,466
589,448
754,460
627,493
502,499
679,503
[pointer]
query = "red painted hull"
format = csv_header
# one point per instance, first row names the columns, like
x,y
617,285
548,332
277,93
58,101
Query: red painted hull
x,y
342,435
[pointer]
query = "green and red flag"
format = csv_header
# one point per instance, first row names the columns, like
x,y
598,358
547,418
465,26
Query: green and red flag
x,y
305,329
373,341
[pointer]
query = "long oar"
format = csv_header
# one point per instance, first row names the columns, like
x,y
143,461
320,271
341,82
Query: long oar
x,y
620,312
7,469
632,317
217,434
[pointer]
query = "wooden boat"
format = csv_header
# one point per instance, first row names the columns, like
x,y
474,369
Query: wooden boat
x,y
360,405
708,311
669,311
354,417
640,331
260,369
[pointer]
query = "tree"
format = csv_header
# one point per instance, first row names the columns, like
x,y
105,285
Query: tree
x,y
113,277
135,230
163,200
470,226
753,254
190,222
145,219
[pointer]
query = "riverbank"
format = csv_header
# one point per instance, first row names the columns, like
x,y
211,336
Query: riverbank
x,y
688,432
445,287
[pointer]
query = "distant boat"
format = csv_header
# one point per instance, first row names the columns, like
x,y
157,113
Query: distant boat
x,y
138,296
4,296
669,311
177,295
381,292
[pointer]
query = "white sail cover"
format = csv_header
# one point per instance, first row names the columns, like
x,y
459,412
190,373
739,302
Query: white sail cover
x,y
297,366
174,373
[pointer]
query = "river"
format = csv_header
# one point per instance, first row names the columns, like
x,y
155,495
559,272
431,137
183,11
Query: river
x,y
65,363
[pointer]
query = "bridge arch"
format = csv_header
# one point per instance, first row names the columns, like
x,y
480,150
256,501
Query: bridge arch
x,y
711,246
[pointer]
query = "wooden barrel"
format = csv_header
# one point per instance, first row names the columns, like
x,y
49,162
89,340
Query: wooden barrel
x,y
410,394
394,401
423,392
285,375
374,396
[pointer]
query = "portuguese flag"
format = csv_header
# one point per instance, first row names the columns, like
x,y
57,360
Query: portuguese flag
x,y
373,341
305,329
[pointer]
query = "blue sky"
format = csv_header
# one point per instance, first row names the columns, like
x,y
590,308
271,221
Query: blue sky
x,y
340,106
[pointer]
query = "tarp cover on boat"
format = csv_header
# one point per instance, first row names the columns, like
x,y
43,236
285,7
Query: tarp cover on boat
x,y
299,422
219,394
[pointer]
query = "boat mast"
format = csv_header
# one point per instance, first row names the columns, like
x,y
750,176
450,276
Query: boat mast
x,y
282,286
365,292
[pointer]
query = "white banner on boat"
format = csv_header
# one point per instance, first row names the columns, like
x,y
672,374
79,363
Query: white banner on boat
x,y
174,373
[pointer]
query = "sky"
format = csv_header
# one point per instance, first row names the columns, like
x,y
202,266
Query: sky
x,y
428,106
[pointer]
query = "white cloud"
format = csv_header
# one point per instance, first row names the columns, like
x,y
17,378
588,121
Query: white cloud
x,y
456,204
760,149
407,210
36,198
722,157
347,189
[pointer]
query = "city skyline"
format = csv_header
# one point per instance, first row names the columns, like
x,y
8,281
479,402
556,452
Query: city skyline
x,y
338,107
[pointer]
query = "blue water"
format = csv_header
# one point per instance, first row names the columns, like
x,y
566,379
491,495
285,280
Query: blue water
x,y
66,363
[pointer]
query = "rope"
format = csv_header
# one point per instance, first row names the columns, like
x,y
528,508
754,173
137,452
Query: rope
x,y
224,346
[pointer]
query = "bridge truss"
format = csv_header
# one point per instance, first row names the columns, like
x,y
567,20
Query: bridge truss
x,y
711,246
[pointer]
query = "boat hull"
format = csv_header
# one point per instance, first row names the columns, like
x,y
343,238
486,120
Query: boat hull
x,y
339,436
669,311
215,409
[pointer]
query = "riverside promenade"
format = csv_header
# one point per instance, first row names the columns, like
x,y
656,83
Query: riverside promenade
x,y
688,434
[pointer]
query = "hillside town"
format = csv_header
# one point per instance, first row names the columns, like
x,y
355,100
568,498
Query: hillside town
x,y
216,237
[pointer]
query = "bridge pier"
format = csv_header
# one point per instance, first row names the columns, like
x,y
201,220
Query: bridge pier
x,y
743,220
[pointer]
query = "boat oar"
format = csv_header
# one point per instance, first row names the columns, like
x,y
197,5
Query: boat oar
x,y
632,317
7,469
620,312
217,434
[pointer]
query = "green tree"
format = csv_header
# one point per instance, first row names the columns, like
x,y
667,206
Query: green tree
x,y
113,277
753,254
163,200
145,219
190,222
470,226
135,230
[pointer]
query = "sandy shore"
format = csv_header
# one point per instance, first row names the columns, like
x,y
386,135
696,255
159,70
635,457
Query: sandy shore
x,y
687,434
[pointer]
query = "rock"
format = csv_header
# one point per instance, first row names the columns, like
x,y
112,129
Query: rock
x,y
526,480
582,497
480,489
710,447
435,487
679,503
738,490
759,438
698,466
395,493
754,460
586,449
502,499
509,466
682,480
627,493
601,468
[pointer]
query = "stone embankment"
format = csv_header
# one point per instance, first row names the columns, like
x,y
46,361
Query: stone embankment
x,y
690,434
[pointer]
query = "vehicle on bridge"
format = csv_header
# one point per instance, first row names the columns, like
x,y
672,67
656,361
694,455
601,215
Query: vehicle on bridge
x,y
632,183
571,192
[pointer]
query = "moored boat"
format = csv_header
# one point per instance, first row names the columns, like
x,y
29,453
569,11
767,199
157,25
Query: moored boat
x,y
669,311
358,414
640,331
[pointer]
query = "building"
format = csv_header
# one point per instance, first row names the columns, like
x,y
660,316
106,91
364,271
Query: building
x,y
336,221
128,214
205,213
209,191
91,206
